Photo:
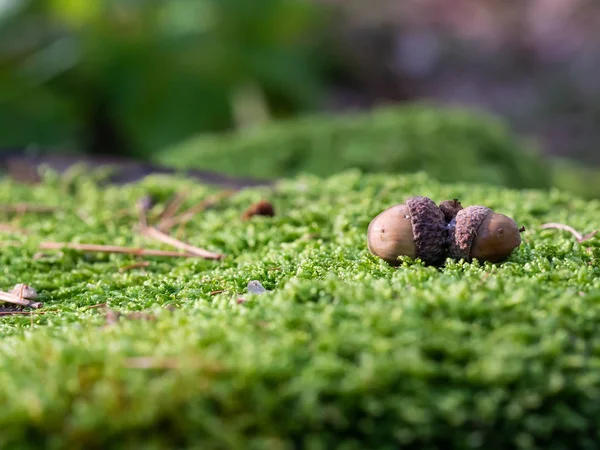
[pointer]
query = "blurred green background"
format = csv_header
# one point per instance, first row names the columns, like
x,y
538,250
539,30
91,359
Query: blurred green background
x,y
131,76
264,87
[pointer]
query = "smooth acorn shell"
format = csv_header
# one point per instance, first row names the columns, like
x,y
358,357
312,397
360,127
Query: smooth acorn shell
x,y
390,235
496,238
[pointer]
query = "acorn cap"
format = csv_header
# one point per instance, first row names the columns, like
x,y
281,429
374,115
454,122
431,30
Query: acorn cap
x,y
450,208
461,235
429,229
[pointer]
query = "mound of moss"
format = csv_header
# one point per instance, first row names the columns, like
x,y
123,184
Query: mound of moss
x,y
344,351
449,144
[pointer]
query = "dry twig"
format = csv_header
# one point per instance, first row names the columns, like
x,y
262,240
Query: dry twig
x,y
11,298
560,226
114,249
170,209
154,233
191,212
216,292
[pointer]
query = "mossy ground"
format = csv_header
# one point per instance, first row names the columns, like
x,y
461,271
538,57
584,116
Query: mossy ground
x,y
450,144
345,352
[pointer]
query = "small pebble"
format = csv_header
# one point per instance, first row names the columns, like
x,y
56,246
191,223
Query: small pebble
x,y
24,291
254,287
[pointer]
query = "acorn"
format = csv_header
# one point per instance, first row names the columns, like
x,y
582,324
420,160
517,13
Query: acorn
x,y
416,229
477,232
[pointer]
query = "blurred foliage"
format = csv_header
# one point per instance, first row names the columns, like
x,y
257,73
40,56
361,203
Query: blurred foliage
x,y
450,144
133,76
572,176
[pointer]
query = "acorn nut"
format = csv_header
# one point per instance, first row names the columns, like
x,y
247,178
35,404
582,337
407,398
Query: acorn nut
x,y
416,229
477,232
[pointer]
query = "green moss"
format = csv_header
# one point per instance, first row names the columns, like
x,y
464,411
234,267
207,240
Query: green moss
x,y
449,144
344,352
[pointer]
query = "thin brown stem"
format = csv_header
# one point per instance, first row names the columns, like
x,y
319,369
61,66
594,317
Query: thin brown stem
x,y
560,226
216,292
191,212
170,210
154,233
114,249
11,298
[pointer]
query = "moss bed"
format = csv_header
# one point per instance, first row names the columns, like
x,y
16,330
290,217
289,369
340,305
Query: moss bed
x,y
450,144
344,351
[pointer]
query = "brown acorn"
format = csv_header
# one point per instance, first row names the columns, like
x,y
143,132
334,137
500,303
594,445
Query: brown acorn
x,y
416,229
477,232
